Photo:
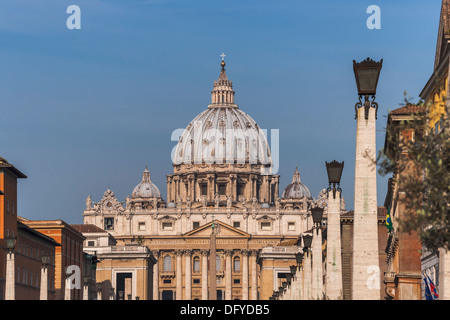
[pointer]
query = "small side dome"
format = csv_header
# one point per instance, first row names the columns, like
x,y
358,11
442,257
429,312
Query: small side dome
x,y
296,189
146,189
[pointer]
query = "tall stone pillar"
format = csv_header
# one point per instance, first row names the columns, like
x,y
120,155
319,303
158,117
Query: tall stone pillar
x,y
85,291
156,254
10,276
366,270
43,295
334,264
245,267
300,290
254,292
317,268
228,254
188,275
204,274
179,275
307,294
67,289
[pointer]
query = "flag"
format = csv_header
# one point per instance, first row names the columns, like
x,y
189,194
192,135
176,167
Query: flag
x,y
427,290
432,288
388,222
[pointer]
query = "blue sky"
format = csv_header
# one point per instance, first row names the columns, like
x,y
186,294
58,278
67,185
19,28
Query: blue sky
x,y
84,110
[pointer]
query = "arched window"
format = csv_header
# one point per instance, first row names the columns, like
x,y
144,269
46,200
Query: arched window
x,y
196,264
237,264
167,263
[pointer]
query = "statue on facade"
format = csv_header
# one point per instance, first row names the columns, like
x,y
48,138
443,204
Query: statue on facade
x,y
188,202
204,202
128,203
229,201
216,200
88,203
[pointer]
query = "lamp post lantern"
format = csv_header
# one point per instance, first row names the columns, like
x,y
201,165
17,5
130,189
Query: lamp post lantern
x,y
334,171
367,73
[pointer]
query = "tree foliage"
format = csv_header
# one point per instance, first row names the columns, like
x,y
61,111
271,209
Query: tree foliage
x,y
420,168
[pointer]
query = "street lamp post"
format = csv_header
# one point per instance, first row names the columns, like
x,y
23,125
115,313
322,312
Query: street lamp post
x,y
334,262
317,268
307,240
10,269
45,259
365,269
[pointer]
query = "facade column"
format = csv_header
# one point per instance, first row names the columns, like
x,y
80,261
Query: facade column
x,y
204,274
334,263
188,275
228,254
245,272
179,275
254,292
307,275
44,283
10,276
156,254
366,268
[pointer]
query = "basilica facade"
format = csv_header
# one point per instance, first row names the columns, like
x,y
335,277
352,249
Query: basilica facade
x,y
222,183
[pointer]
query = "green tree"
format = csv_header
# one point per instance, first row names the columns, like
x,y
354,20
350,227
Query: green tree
x,y
422,176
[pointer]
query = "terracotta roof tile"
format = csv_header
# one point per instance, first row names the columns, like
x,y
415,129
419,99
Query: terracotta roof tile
x,y
87,228
408,109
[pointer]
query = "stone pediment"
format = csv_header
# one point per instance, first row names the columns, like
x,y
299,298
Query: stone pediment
x,y
223,230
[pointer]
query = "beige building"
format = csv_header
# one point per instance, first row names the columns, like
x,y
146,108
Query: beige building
x,y
223,176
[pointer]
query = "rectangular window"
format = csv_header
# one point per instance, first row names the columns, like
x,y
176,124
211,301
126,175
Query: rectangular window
x,y
236,224
265,225
240,189
167,225
237,281
195,225
204,188
222,189
196,281
91,243
291,226
141,226
168,281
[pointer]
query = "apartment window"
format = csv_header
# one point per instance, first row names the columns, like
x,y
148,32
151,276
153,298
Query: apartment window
x,y
237,264
204,188
222,189
240,189
141,226
195,225
109,223
196,264
218,267
291,226
167,225
265,226
91,243
236,224
167,263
